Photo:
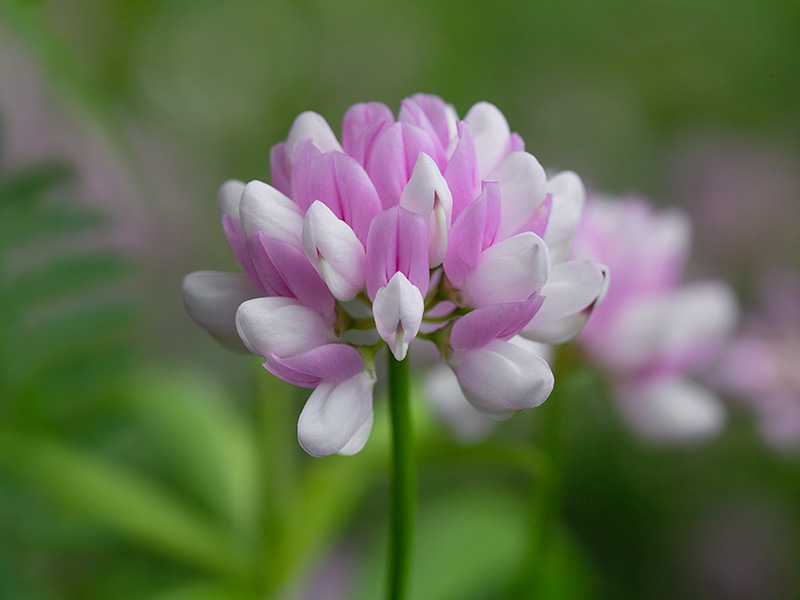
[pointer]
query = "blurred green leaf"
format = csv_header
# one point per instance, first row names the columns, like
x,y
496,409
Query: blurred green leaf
x,y
123,501
202,591
199,432
68,275
25,224
27,185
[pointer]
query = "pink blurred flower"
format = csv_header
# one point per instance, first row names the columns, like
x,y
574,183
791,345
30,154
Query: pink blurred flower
x,y
759,367
431,227
652,333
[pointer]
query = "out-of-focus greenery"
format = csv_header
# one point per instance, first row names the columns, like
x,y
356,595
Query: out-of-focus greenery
x,y
140,460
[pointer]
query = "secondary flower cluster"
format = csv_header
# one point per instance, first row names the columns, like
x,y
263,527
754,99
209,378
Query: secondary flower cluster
x,y
653,333
420,226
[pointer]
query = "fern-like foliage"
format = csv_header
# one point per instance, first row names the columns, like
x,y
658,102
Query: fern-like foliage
x,y
64,321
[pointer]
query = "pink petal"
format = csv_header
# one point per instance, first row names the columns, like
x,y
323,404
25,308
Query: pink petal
x,y
441,117
336,416
392,159
398,310
361,123
339,182
232,228
397,242
461,173
427,195
411,112
280,169
471,233
334,251
281,326
479,327
299,275
331,362
305,152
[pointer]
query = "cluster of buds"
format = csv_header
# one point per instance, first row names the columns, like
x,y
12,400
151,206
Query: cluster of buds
x,y
420,227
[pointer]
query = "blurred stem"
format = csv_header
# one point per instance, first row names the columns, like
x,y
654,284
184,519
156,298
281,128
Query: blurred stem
x,y
545,499
403,486
278,476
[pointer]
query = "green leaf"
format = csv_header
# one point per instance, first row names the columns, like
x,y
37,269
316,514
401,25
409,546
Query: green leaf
x,y
202,591
68,275
123,501
27,185
203,437
24,224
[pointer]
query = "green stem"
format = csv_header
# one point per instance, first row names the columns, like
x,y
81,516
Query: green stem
x,y
545,500
403,486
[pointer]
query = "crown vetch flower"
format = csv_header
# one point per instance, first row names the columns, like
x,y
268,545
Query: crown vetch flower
x,y
435,227
653,333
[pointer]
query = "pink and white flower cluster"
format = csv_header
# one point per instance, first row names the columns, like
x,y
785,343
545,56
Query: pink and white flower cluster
x,y
758,369
423,226
652,333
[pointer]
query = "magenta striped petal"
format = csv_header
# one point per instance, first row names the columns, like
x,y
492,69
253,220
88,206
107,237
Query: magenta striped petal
x,y
339,182
478,328
397,242
392,158
471,233
331,362
461,173
361,123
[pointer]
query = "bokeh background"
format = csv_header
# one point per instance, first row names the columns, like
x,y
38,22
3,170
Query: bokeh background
x,y
138,459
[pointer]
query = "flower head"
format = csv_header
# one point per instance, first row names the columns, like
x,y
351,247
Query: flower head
x,y
651,332
434,227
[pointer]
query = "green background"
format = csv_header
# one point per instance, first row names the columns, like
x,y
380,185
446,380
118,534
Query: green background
x,y
140,460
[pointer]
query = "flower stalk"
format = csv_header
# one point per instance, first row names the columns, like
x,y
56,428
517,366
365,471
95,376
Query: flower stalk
x,y
403,481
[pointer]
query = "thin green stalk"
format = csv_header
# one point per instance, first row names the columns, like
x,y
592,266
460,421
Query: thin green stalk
x,y
403,485
545,499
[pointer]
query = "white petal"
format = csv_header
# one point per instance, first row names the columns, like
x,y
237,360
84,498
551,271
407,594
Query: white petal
x,y
334,250
491,136
337,417
683,330
211,299
675,410
310,125
228,198
508,271
281,326
522,190
570,294
263,208
568,194
398,309
502,378
427,194
359,439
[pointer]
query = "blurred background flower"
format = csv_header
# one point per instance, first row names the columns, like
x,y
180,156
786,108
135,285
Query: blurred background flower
x,y
140,460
